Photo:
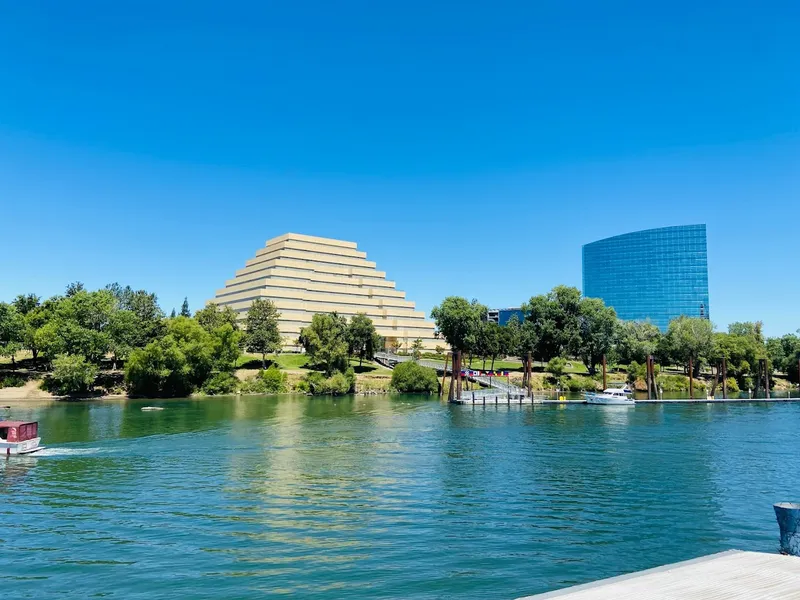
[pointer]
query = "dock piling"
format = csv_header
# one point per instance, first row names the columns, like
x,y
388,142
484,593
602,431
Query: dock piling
x,y
788,515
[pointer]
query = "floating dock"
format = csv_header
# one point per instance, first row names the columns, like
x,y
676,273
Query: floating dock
x,y
731,575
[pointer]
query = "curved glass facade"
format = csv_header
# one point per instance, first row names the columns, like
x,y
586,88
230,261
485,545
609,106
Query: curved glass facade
x,y
655,274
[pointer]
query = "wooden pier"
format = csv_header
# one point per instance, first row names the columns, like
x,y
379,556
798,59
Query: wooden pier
x,y
732,575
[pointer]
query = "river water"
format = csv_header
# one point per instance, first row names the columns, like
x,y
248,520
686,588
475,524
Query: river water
x,y
382,497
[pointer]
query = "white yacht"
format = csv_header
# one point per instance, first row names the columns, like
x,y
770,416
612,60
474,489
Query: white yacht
x,y
620,396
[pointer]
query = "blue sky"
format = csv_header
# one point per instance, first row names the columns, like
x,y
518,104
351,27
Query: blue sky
x,y
160,144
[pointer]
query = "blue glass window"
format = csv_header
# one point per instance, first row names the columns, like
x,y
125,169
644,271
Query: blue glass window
x,y
655,275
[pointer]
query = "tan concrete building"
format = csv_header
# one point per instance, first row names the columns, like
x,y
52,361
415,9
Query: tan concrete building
x,y
304,275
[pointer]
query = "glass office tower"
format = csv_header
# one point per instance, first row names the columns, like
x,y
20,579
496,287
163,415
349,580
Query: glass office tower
x,y
655,275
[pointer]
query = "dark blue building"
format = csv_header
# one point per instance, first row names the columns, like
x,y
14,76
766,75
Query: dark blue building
x,y
655,275
502,315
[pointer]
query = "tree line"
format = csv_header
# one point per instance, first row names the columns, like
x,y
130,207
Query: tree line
x,y
563,323
76,334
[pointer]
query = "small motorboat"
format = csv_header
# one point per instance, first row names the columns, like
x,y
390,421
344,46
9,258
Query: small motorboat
x,y
611,397
19,437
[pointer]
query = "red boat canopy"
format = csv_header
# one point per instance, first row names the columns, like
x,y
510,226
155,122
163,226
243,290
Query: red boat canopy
x,y
18,431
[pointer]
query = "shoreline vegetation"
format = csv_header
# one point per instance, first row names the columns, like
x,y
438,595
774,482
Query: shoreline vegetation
x,y
117,343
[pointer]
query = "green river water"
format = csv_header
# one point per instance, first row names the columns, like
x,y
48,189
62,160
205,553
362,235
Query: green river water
x,y
382,497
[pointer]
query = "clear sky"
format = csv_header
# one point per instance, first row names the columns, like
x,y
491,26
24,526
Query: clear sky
x,y
469,148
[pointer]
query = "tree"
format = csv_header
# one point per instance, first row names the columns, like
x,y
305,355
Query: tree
x,y
12,331
362,339
172,315
175,365
212,316
690,339
34,320
598,329
145,306
73,288
124,333
72,375
556,321
511,334
416,349
325,342
784,354
636,340
556,366
226,347
261,329
78,325
458,321
25,303
491,341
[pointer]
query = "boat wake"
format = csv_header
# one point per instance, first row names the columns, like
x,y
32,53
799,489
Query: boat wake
x,y
67,452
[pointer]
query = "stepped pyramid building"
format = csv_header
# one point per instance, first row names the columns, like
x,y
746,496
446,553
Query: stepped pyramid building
x,y
304,275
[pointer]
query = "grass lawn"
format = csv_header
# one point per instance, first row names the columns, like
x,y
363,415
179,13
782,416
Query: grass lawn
x,y
299,362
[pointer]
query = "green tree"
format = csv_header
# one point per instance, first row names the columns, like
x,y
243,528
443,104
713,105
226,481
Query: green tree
x,y
261,329
74,288
556,366
690,339
556,321
12,331
25,303
598,332
742,348
185,312
491,343
325,342
72,375
78,325
226,343
511,334
212,316
175,365
145,306
172,315
636,340
124,333
458,321
362,339
784,354
416,349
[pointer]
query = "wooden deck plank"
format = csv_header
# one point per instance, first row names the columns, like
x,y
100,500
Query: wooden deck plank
x,y
732,575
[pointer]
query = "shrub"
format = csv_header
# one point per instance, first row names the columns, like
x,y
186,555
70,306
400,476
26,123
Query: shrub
x,y
337,384
732,386
220,384
72,374
12,381
578,383
678,383
411,378
638,372
556,366
271,381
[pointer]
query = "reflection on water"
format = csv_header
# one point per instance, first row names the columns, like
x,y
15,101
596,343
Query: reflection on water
x,y
383,496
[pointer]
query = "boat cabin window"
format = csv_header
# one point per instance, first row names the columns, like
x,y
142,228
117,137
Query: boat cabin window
x,y
4,433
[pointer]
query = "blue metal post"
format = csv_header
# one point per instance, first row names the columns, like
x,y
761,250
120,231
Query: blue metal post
x,y
788,515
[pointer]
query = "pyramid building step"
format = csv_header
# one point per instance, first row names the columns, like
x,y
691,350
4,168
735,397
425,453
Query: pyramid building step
x,y
304,275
